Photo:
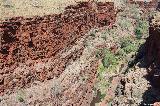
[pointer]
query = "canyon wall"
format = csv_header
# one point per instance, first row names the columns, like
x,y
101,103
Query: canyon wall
x,y
152,51
31,47
152,47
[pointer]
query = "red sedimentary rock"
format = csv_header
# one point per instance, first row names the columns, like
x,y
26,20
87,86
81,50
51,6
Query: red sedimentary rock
x,y
31,41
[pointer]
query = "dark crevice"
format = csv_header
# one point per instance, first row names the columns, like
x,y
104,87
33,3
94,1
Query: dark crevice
x,y
4,50
30,44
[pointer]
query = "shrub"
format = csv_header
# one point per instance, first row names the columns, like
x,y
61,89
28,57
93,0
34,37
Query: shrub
x,y
104,36
138,32
102,83
124,42
98,54
20,99
93,32
121,54
101,70
109,59
120,4
20,96
134,11
141,29
130,48
124,23
128,45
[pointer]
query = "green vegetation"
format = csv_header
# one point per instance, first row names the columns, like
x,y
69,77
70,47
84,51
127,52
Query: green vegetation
x,y
20,99
102,83
109,62
129,32
20,96
141,29
128,45
124,42
134,11
138,32
124,23
109,59
130,48
93,32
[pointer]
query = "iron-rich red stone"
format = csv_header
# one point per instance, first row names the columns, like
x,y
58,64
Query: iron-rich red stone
x,y
37,38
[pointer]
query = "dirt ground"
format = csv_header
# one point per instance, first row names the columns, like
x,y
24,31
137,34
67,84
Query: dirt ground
x,y
27,8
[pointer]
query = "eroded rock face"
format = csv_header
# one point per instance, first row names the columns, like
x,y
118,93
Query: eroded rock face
x,y
28,45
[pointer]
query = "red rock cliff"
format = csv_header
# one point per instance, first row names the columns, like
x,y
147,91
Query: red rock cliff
x,y
33,40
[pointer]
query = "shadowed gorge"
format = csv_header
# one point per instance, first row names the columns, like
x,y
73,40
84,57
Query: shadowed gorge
x,y
79,53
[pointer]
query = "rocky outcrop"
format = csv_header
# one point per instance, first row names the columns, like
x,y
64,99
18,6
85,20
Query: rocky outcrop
x,y
31,47
74,86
